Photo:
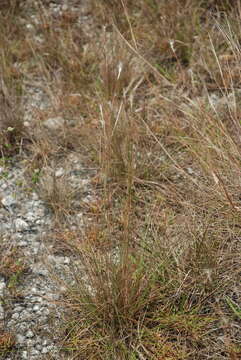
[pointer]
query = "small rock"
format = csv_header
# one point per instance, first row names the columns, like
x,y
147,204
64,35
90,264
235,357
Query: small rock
x,y
35,196
63,289
22,243
38,299
21,225
64,7
38,340
25,355
66,260
9,201
54,123
39,222
45,350
30,27
30,216
2,287
39,347
29,334
36,307
45,311
26,124
4,186
45,342
1,312
35,247
60,172
18,309
20,339
190,171
15,316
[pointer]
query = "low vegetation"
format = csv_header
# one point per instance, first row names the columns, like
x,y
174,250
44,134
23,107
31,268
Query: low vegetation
x,y
152,89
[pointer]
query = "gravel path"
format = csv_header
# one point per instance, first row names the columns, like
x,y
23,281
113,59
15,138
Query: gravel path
x,y
29,309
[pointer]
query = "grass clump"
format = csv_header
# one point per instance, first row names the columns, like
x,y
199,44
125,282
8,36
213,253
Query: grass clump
x,y
7,343
11,91
157,271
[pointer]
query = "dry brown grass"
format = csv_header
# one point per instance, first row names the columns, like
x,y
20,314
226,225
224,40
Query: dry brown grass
x,y
7,343
155,102
12,269
11,116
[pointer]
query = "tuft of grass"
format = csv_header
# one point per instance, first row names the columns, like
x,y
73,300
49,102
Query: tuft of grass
x,y
55,192
7,343
11,129
11,90
169,179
